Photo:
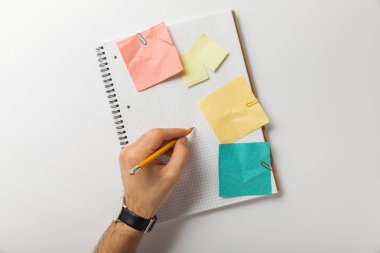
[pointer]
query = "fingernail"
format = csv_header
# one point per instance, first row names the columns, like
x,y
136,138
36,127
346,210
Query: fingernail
x,y
184,141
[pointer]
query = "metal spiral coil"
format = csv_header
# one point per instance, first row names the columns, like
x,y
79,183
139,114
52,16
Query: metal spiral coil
x,y
111,96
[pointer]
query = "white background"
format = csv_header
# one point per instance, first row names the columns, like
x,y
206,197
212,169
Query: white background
x,y
316,66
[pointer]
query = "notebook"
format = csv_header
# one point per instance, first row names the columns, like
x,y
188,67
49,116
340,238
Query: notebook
x,y
172,104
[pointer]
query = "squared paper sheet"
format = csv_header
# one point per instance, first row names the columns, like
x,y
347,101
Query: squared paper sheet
x,y
171,104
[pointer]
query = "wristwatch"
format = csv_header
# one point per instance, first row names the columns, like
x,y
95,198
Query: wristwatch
x,y
135,221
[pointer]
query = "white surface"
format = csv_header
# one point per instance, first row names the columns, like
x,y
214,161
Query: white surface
x,y
172,104
316,66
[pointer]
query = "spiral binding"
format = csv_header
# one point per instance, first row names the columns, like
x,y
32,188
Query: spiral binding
x,y
111,95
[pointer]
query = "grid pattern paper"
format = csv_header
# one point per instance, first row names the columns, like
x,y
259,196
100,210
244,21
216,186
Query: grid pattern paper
x,y
172,104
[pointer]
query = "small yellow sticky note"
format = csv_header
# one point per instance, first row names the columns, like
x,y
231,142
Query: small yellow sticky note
x,y
193,70
209,52
233,111
206,52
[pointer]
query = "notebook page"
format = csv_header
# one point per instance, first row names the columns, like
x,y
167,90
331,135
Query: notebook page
x,y
171,104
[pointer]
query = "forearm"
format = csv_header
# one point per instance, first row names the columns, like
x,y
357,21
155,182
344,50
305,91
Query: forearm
x,y
119,237
146,191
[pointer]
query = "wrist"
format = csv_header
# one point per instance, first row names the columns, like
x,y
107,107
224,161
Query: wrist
x,y
127,230
135,221
145,211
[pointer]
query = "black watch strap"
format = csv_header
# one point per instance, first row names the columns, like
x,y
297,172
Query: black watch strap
x,y
135,221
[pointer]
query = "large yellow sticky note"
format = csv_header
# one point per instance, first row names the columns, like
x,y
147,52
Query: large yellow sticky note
x,y
204,52
233,111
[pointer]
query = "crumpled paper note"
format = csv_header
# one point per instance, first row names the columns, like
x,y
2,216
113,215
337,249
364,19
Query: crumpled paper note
x,y
233,111
153,62
204,52
244,169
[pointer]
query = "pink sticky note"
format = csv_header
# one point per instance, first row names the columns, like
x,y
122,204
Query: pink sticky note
x,y
154,62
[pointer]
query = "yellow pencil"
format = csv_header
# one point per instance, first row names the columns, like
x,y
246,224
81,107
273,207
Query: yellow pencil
x,y
156,154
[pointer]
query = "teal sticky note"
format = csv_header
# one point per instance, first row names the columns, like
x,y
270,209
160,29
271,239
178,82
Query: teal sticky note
x,y
244,169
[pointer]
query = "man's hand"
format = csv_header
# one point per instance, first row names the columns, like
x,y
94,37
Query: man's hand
x,y
148,189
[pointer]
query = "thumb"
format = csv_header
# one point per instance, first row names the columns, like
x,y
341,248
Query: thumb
x,y
179,158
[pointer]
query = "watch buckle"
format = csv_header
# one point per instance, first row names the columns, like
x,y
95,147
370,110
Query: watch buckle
x,y
150,225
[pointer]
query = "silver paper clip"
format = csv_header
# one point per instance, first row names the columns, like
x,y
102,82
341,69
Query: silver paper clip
x,y
265,165
142,39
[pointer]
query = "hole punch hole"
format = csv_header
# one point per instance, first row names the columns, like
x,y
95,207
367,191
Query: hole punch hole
x,y
128,107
